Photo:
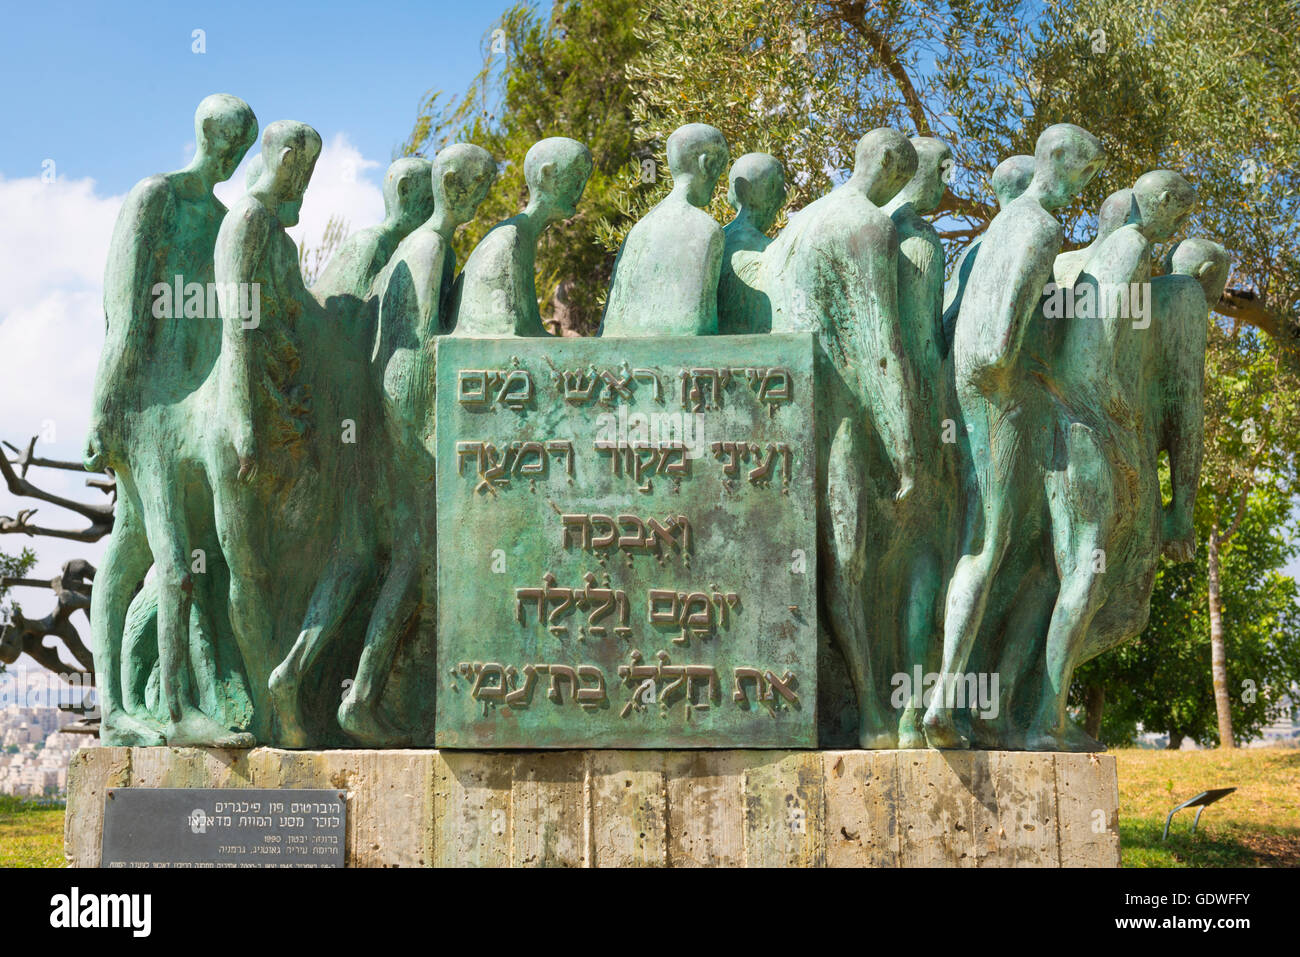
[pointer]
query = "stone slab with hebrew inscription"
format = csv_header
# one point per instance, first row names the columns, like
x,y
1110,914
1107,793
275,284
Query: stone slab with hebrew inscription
x,y
626,543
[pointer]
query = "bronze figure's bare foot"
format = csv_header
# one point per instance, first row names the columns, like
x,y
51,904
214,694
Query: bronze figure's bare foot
x,y
123,731
196,729
911,734
941,733
284,692
367,725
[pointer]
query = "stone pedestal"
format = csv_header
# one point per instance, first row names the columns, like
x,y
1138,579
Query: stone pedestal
x,y
659,808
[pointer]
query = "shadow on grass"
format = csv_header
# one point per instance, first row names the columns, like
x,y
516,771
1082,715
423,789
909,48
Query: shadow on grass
x,y
1216,845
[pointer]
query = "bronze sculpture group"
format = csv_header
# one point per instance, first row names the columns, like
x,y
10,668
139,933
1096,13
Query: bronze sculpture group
x,y
988,491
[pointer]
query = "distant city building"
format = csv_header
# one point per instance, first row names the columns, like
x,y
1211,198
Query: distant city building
x,y
34,753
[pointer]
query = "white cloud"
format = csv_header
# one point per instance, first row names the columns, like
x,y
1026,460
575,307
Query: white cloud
x,y
344,184
53,245
53,236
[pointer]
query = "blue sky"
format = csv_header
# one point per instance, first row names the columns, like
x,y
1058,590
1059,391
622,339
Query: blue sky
x,y
103,95
108,91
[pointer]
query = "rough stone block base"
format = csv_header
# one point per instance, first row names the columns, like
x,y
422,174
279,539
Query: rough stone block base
x,y
659,808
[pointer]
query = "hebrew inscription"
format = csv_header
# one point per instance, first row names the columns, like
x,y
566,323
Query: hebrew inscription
x,y
626,543
224,827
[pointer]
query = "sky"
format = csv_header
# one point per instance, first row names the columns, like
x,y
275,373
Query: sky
x,y
96,97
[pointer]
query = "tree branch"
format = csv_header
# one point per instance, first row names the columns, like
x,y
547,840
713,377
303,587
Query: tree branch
x,y
1255,455
101,516
26,459
1245,306
855,15
961,206
26,635
1221,538
22,525
23,583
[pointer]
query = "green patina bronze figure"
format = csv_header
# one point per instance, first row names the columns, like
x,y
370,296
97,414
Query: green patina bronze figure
x,y
1010,178
345,286
341,342
661,547
908,601
264,436
1176,384
161,347
756,191
1171,392
411,291
496,294
673,255
1021,602
833,271
1114,212
1002,406
1097,383
408,202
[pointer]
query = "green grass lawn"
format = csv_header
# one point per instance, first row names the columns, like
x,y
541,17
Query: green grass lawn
x,y
1256,826
31,834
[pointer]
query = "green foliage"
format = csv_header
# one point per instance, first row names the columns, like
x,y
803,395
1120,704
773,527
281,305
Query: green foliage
x,y
804,81
11,804
1162,677
558,77
12,566
766,75
15,566
1211,90
1252,404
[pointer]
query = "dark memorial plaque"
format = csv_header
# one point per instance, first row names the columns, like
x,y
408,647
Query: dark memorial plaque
x,y
626,543
223,827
